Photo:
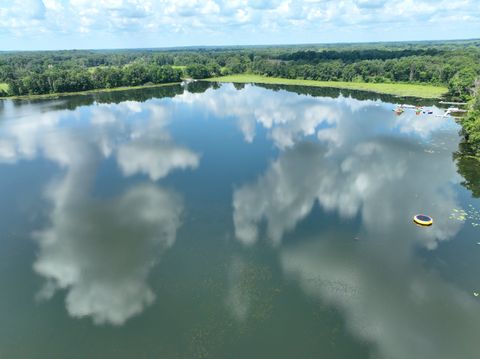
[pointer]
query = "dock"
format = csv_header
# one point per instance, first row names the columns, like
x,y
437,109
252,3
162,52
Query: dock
x,y
453,103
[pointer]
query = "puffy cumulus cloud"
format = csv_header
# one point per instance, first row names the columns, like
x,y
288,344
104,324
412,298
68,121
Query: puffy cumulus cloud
x,y
100,251
214,18
111,15
388,301
371,4
371,13
33,9
26,18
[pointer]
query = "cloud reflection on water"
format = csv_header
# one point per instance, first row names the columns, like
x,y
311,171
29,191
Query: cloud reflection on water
x,y
378,170
353,159
376,180
288,117
399,307
361,166
100,251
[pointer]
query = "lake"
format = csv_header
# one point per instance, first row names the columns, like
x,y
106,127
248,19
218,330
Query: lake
x,y
235,221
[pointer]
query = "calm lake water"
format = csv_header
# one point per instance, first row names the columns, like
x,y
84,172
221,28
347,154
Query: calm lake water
x,y
234,222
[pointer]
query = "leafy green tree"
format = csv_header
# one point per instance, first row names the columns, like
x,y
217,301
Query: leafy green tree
x,y
461,84
197,71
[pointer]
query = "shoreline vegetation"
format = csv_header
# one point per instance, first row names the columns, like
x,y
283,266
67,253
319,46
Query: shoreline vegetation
x,y
397,89
86,92
422,70
471,125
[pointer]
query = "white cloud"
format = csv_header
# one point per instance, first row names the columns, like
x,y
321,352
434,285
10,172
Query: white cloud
x,y
219,18
32,9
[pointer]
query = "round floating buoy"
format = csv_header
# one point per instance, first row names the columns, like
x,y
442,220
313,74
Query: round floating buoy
x,y
423,220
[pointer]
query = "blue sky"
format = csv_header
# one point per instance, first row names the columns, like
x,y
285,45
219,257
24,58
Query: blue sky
x,y
67,24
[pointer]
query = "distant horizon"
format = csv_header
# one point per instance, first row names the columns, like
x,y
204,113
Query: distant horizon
x,y
266,45
47,25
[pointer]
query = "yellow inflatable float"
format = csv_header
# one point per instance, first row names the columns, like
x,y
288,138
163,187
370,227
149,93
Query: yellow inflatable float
x,y
423,220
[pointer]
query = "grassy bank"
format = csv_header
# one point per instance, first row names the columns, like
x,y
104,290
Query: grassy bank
x,y
62,94
396,89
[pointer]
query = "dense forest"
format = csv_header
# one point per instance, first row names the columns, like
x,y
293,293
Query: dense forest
x,y
44,77
455,64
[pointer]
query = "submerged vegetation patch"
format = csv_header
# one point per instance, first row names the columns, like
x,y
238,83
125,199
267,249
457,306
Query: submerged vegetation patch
x,y
469,215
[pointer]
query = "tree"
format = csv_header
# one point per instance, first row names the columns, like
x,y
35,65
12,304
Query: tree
x,y
197,71
461,84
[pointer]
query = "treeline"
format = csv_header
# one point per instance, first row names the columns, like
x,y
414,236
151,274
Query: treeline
x,y
456,70
452,64
467,157
471,124
349,56
56,80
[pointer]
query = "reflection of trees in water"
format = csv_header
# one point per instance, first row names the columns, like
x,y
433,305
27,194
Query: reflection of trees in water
x,y
71,102
139,95
335,92
468,165
239,86
469,168
200,86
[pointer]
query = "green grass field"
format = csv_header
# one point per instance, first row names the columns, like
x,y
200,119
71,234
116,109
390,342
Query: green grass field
x,y
3,86
396,89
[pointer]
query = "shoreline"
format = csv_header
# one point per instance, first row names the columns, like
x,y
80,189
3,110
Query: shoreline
x,y
395,89
87,92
